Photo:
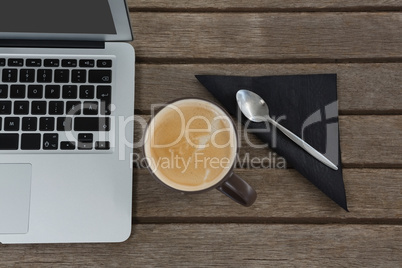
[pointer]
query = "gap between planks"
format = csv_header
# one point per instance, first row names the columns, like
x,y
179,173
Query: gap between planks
x,y
190,60
273,220
357,9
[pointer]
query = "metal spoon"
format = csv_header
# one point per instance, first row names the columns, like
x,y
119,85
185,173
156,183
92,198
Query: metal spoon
x,y
256,110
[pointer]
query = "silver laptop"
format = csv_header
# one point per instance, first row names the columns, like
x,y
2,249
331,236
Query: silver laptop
x,y
66,128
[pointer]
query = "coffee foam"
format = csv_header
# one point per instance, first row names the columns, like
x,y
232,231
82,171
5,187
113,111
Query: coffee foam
x,y
193,146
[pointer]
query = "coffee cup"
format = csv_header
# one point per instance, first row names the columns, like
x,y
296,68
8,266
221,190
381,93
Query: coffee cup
x,y
190,145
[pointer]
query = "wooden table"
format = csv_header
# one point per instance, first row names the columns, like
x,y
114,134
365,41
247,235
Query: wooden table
x,y
292,223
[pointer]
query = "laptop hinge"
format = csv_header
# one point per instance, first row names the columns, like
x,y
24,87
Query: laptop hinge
x,y
52,44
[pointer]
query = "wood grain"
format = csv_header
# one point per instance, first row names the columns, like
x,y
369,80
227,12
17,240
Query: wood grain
x,y
263,4
371,140
266,36
226,245
284,196
366,141
362,88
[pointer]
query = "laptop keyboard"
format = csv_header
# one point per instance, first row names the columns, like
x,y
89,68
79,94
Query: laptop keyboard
x,y
55,104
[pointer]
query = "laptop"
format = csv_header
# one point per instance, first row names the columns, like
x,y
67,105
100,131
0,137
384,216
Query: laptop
x,y
66,121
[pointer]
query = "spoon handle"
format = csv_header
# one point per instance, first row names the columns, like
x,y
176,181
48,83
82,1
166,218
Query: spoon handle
x,y
304,145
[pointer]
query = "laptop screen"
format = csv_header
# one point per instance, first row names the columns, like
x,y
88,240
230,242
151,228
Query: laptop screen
x,y
56,16
64,19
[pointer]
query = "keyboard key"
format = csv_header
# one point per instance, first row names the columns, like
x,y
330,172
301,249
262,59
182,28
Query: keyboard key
x,y
52,92
104,63
50,141
70,92
56,107
87,63
100,76
90,108
85,141
85,137
92,124
21,107
10,75
15,62
62,76
38,108
29,124
67,145
46,124
3,91
87,92
102,145
79,76
27,75
35,91
104,94
73,107
5,107
69,63
17,91
2,62
30,141
1,122
11,124
64,124
85,146
52,63
33,62
9,141
44,76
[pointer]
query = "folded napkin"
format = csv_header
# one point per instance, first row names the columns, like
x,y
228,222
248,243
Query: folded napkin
x,y
306,105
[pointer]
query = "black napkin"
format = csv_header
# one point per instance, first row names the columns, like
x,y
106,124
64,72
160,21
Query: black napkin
x,y
304,104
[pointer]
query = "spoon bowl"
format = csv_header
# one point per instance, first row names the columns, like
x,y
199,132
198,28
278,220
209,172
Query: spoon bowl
x,y
252,106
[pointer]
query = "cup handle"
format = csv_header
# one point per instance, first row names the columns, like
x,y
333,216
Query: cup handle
x,y
238,190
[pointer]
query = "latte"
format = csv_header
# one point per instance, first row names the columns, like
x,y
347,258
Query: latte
x,y
190,145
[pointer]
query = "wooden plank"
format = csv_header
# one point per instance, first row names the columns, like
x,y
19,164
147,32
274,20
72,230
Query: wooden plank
x,y
362,88
262,4
267,36
228,245
366,141
284,196
371,140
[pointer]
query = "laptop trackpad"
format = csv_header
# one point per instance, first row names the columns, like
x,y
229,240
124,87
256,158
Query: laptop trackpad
x,y
15,192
